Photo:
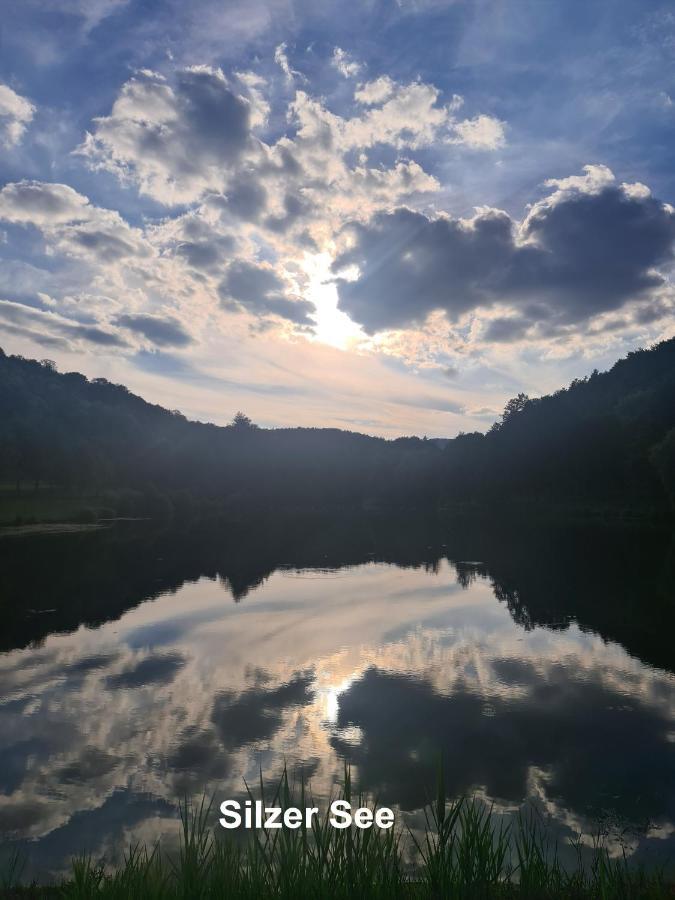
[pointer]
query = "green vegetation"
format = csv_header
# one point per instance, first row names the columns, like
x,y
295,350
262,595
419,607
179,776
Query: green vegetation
x,y
48,504
462,854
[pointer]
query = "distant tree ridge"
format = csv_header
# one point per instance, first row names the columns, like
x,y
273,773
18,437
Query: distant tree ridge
x,y
608,438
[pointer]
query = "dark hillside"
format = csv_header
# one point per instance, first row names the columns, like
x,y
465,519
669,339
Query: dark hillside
x,y
64,430
606,440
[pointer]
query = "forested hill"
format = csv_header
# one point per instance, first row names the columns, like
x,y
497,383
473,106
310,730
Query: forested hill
x,y
607,439
62,429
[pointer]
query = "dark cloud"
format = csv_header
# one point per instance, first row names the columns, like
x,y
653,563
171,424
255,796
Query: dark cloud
x,y
49,329
163,332
197,759
651,313
246,200
410,265
294,208
405,724
105,246
199,254
257,713
215,122
21,815
597,251
91,764
154,669
92,663
259,290
202,246
38,337
577,254
95,335
505,330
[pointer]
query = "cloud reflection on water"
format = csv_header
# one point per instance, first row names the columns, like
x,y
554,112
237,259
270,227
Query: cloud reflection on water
x,y
383,666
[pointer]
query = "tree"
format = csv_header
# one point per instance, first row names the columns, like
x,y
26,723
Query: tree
x,y
662,457
242,422
514,406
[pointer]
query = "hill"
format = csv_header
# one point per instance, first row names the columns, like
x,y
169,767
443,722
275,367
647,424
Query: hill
x,y
608,439
64,430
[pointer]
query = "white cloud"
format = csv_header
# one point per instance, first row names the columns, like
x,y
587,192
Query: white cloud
x,y
594,180
480,133
346,66
16,113
253,87
410,118
281,59
375,92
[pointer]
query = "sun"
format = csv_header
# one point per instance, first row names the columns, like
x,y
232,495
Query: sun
x,y
333,327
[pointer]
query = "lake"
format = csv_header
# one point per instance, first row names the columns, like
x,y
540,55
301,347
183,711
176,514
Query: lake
x,y
142,663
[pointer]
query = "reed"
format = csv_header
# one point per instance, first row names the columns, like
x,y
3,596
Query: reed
x,y
461,854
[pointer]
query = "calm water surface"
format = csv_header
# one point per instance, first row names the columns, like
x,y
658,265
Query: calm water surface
x,y
142,664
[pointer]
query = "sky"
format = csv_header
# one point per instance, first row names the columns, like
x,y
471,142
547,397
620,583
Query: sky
x,y
388,216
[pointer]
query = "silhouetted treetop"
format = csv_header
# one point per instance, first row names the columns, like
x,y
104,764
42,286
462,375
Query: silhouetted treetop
x,y
242,422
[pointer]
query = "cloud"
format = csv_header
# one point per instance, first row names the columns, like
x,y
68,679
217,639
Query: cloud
x,y
195,239
258,713
189,138
481,133
410,265
375,92
253,87
70,221
293,208
174,140
504,330
41,204
426,401
246,200
258,289
155,670
90,12
16,113
410,117
536,724
164,332
281,59
51,329
589,247
106,239
346,66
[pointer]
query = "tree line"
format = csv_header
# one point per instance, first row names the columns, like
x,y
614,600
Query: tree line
x,y
606,439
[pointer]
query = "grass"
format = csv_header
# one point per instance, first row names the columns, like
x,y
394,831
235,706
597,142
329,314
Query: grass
x,y
462,854
45,504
